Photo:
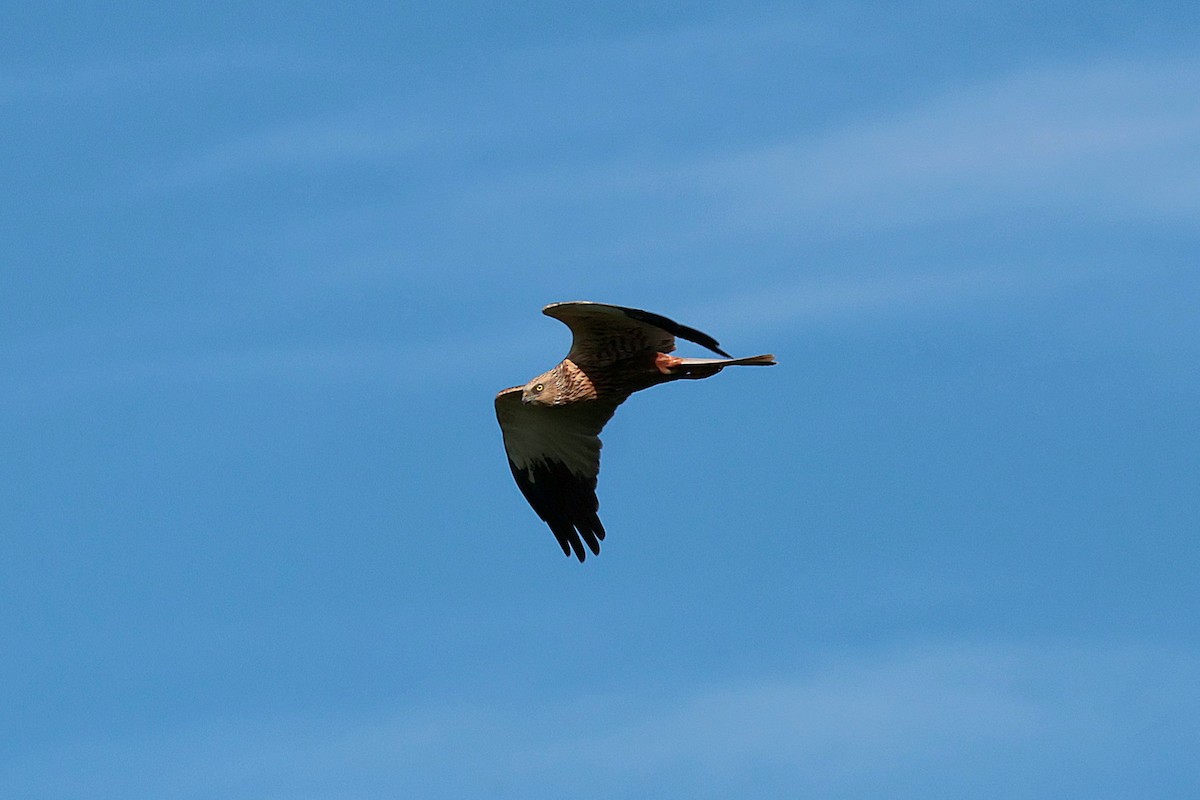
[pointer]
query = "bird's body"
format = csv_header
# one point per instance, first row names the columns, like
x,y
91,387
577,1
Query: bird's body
x,y
552,424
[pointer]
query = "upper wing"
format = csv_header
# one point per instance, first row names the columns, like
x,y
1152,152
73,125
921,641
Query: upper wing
x,y
602,334
554,455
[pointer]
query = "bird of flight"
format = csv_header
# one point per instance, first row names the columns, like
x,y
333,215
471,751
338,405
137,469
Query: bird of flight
x,y
552,424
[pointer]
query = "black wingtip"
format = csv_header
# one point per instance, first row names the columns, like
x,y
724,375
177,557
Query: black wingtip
x,y
573,537
566,548
675,329
565,502
577,546
719,351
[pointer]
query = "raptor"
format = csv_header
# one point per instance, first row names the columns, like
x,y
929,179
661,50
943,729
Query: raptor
x,y
551,425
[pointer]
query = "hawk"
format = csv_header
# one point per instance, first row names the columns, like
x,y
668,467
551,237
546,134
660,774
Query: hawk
x,y
552,424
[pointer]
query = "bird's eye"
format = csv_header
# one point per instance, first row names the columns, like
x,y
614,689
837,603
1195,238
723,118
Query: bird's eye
x,y
538,388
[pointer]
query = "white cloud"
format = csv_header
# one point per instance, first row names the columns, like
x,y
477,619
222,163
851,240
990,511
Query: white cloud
x,y
137,74
954,715
301,146
1101,140
1107,139
49,370
820,301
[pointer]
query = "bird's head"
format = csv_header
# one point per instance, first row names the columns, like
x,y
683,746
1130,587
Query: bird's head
x,y
542,390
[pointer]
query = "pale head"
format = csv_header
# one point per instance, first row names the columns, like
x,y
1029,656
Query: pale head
x,y
544,390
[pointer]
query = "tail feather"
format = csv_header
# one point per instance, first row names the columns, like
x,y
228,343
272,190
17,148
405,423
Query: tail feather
x,y
675,367
765,360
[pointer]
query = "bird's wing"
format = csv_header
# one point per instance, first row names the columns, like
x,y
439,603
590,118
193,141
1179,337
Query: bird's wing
x,y
554,454
602,334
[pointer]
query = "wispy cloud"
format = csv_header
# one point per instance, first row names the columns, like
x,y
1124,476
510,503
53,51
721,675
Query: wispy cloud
x,y
1097,140
1094,140
301,147
75,364
860,297
79,368
134,357
733,40
136,75
930,716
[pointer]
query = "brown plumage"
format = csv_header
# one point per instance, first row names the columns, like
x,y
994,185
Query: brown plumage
x,y
552,424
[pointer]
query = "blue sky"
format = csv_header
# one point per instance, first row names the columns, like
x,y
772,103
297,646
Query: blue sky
x,y
264,272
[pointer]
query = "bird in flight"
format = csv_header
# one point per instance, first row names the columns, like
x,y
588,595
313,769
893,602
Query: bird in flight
x,y
552,424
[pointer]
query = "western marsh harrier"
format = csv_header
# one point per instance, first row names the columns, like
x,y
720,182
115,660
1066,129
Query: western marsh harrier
x,y
552,424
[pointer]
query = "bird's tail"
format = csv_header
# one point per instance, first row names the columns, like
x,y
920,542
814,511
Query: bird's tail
x,y
765,360
706,367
